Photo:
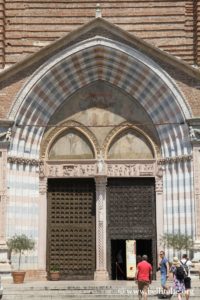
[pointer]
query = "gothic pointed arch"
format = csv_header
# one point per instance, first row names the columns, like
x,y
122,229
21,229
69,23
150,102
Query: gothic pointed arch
x,y
69,140
106,60
129,142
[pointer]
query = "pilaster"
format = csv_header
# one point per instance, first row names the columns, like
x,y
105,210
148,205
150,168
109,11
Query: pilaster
x,y
159,202
194,126
42,238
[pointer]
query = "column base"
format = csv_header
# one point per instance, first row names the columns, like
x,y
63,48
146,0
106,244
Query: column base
x,y
101,275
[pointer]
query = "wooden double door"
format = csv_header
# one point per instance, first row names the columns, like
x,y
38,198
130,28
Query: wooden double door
x,y
71,228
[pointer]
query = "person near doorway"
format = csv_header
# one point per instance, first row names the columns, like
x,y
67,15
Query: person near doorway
x,y
138,259
187,264
143,277
120,265
178,277
164,273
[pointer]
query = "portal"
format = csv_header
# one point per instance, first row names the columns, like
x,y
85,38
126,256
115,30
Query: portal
x,y
119,259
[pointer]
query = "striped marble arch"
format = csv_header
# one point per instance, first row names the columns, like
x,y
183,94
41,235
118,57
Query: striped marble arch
x,y
106,60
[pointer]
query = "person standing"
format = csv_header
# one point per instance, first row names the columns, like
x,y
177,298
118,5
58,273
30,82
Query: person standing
x,y
143,277
164,272
187,264
178,276
120,265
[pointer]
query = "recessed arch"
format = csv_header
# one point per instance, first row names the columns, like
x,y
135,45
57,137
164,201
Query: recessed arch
x,y
71,144
135,138
129,145
82,134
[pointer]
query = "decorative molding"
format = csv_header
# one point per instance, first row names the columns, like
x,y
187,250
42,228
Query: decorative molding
x,y
43,186
159,179
70,170
41,169
174,159
159,185
23,161
131,169
109,169
194,134
59,129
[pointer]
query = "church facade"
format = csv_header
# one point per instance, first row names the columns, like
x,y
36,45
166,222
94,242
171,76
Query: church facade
x,y
99,144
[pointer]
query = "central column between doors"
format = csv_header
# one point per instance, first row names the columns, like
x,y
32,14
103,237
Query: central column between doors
x,y
101,272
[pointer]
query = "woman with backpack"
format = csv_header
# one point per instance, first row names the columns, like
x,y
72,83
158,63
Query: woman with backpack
x,y
179,275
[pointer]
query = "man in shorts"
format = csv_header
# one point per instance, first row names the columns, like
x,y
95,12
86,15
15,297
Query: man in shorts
x,y
143,277
164,272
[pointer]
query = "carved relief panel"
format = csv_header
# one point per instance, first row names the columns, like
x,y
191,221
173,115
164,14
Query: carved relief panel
x,y
92,169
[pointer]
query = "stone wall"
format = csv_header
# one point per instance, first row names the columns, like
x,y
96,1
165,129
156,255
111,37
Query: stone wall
x,y
27,26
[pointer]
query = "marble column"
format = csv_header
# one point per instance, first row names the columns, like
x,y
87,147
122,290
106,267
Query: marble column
x,y
159,205
196,164
42,239
101,272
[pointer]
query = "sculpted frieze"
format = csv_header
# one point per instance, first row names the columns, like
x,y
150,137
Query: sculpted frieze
x,y
71,170
131,170
95,169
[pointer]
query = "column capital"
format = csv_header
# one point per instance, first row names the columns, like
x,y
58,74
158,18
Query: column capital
x,y
101,180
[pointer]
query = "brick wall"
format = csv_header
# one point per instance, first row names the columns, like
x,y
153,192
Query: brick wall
x,y
32,24
198,31
2,33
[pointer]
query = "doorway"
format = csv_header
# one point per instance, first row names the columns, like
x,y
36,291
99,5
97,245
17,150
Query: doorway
x,y
131,216
118,259
118,256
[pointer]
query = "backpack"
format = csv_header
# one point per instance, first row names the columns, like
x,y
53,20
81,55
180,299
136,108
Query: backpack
x,y
185,266
180,273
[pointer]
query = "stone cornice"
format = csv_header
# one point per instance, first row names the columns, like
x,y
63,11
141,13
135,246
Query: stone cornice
x,y
37,162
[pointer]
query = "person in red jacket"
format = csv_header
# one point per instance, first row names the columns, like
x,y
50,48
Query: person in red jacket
x,y
143,277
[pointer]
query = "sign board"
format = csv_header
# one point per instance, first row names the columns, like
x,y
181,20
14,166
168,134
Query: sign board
x,y
130,259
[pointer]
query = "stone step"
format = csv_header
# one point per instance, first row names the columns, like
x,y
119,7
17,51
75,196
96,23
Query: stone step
x,y
81,297
114,290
